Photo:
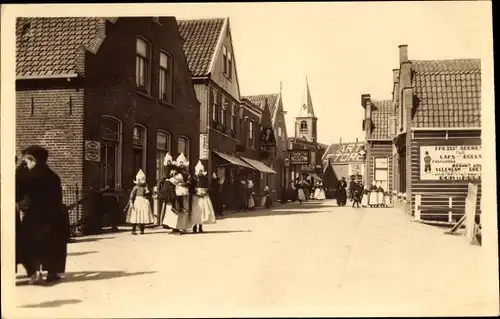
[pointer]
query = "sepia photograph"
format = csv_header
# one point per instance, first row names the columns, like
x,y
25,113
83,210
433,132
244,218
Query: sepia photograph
x,y
253,159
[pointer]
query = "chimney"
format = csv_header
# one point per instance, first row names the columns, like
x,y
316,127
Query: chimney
x,y
356,139
403,53
340,142
395,76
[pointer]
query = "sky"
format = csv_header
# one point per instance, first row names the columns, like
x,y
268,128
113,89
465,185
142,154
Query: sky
x,y
345,49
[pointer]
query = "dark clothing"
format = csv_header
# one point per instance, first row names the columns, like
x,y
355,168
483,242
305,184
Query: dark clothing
x,y
215,194
357,192
341,193
352,187
21,172
45,226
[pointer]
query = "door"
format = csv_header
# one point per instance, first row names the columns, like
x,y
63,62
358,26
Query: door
x,y
137,161
108,164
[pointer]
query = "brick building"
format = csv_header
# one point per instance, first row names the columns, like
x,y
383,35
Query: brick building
x,y
437,144
380,129
277,122
106,96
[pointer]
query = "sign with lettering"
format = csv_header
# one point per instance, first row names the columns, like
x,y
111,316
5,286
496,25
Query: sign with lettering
x,y
450,162
204,146
345,153
299,157
92,151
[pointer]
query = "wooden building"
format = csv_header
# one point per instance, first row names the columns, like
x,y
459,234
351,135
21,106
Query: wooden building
x,y
437,147
379,126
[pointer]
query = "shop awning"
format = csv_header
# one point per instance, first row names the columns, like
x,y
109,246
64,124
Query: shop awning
x,y
233,160
316,177
261,167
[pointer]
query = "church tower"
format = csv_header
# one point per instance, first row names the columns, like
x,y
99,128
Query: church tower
x,y
306,121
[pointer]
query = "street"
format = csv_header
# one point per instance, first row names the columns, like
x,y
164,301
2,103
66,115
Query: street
x,y
314,259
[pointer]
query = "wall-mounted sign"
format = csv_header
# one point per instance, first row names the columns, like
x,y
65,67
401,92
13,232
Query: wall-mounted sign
x,y
267,136
204,151
450,162
345,153
92,151
299,157
307,168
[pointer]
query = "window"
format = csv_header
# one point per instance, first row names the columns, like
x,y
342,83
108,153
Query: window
x,y
111,141
183,146
215,107
142,65
139,148
233,116
162,147
381,171
227,62
303,127
250,133
165,81
223,112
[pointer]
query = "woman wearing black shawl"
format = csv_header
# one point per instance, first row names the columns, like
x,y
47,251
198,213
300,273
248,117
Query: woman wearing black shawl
x,y
45,224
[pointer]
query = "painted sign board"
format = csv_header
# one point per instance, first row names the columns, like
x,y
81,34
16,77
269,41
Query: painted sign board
x,y
92,151
345,153
450,162
299,157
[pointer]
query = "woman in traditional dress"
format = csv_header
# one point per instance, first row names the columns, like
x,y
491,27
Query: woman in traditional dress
x,y
203,210
266,199
322,194
140,213
373,199
364,200
251,201
166,192
380,195
315,193
300,190
178,219
45,226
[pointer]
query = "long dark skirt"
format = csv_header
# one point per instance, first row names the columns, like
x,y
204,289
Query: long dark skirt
x,y
341,197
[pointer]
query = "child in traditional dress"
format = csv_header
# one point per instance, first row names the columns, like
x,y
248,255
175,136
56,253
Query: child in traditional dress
x,y
300,191
139,210
203,210
364,200
372,199
380,196
321,195
387,199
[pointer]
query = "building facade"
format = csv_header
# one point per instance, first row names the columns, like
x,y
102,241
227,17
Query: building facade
x,y
380,129
106,96
437,145
276,156
345,160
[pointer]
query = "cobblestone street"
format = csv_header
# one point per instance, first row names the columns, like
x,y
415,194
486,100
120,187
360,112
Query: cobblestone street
x,y
296,260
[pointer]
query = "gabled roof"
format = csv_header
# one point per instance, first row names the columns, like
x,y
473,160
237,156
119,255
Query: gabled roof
x,y
448,93
201,40
306,108
48,47
259,100
381,111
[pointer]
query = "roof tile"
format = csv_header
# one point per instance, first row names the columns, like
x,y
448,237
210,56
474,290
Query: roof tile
x,y
46,46
448,93
381,112
200,44
260,99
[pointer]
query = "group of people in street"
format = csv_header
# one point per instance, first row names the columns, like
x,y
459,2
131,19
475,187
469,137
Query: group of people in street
x,y
304,190
184,197
375,196
42,221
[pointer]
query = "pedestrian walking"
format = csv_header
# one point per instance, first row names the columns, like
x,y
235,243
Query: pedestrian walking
x,y
139,212
45,224
202,208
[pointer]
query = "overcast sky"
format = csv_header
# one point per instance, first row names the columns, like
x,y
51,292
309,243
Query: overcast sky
x,y
345,49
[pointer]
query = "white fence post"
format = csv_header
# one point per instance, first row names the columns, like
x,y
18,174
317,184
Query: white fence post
x,y
418,202
450,206
470,211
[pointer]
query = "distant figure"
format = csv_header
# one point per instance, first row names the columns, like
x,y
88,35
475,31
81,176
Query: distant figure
x,y
341,192
427,161
372,199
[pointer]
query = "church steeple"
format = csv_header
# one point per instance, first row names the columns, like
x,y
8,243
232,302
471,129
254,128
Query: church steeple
x,y
306,109
305,123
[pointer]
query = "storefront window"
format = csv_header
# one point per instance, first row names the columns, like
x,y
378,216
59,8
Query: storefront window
x,y
110,152
381,173
139,148
162,147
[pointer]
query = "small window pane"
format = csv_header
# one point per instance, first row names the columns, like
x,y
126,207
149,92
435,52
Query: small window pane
x,y
142,47
162,141
138,135
163,60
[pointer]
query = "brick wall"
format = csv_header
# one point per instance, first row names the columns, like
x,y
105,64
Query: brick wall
x,y
52,118
111,90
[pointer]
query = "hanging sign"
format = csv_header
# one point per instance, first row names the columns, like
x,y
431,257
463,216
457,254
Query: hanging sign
x,y
450,162
92,151
299,157
203,146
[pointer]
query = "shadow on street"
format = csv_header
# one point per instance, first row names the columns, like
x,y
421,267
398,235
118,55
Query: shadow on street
x,y
80,276
53,303
88,240
224,231
81,253
286,209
